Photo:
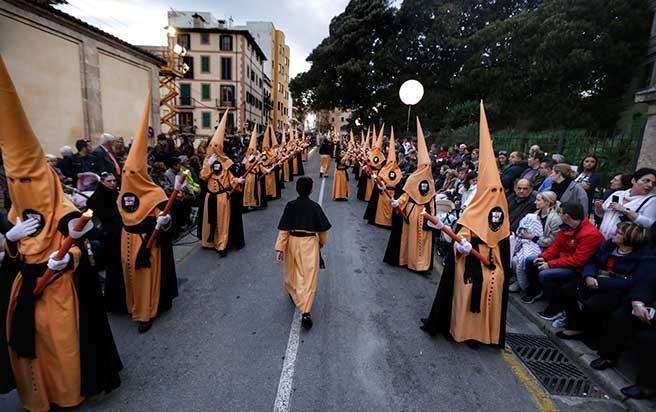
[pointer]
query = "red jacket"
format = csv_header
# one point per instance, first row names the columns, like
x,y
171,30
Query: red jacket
x,y
573,248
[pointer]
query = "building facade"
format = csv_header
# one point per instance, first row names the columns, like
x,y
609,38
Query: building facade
x,y
226,72
272,43
75,80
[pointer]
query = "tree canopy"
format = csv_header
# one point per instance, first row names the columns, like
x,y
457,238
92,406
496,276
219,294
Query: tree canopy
x,y
538,64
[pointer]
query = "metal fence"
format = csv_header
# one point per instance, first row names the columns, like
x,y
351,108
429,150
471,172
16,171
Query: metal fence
x,y
617,153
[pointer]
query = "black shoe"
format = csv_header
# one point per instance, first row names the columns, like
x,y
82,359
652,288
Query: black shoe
x,y
601,364
223,253
550,313
530,297
639,392
306,321
144,326
291,299
564,336
472,344
427,329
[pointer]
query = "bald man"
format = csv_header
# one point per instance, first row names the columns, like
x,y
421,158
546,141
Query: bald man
x,y
521,202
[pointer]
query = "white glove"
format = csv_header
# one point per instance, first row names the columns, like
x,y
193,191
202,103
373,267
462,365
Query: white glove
x,y
373,176
58,265
441,196
395,203
212,158
439,225
464,247
251,158
382,186
22,230
179,186
241,180
279,163
73,233
162,220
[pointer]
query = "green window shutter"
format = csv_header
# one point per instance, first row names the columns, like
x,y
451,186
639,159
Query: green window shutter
x,y
205,64
205,91
207,120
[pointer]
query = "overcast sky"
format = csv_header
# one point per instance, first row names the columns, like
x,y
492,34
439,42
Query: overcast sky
x,y
141,22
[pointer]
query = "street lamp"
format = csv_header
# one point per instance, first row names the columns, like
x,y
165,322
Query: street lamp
x,y
411,93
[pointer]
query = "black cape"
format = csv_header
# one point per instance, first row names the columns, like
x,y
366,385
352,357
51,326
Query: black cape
x,y
303,214
372,207
105,209
439,319
394,242
326,148
362,185
99,359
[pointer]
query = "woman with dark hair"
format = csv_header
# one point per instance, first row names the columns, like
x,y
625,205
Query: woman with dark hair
x,y
587,178
636,204
606,280
105,209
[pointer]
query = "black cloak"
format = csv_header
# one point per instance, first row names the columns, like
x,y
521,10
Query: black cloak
x,y
303,214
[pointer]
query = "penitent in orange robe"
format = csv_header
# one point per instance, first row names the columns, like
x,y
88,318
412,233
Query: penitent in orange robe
x,y
384,208
340,180
54,375
252,197
483,326
324,167
416,250
301,266
218,185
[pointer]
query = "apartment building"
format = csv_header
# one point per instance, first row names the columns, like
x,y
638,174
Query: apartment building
x,y
272,43
226,71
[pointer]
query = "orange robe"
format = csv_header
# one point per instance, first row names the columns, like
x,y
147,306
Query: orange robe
x,y
252,186
340,183
416,250
54,375
288,176
304,154
219,186
301,266
142,286
485,326
384,208
325,164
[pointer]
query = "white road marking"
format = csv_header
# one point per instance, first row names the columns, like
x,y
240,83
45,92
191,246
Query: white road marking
x,y
283,396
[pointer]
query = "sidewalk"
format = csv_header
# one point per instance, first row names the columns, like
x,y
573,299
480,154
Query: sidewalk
x,y
611,380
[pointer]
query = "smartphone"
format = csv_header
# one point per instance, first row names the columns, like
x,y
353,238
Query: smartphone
x,y
615,199
652,313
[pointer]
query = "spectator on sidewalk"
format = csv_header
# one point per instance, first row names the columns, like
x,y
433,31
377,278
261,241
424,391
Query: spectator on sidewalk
x,y
502,159
514,171
520,203
103,158
573,247
546,168
637,204
588,178
566,189
633,320
606,280
523,244
532,172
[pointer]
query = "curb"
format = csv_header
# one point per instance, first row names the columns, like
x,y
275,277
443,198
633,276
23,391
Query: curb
x,y
610,380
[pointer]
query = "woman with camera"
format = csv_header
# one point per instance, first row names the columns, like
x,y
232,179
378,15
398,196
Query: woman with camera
x,y
606,280
636,205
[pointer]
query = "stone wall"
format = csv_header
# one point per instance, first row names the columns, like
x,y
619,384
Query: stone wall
x,y
74,82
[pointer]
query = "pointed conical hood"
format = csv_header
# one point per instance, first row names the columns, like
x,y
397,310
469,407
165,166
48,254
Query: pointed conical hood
x,y
303,136
266,142
487,213
252,145
422,151
366,140
420,185
216,144
139,195
379,141
376,155
34,188
351,144
391,173
274,138
362,138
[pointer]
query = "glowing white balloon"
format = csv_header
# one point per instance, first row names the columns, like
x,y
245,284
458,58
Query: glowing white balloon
x,y
411,92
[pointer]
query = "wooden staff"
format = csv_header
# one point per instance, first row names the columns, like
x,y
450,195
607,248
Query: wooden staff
x,y
50,275
250,169
167,208
446,229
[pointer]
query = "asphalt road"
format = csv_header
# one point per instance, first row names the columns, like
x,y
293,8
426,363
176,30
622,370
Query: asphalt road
x,y
223,345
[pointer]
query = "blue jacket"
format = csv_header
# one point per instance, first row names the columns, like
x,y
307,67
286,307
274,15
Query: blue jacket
x,y
634,266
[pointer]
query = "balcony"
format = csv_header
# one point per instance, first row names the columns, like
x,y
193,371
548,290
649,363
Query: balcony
x,y
222,103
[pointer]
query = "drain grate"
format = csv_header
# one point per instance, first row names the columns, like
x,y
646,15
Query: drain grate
x,y
557,373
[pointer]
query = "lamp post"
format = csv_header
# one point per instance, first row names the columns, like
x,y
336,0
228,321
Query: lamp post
x,y
410,93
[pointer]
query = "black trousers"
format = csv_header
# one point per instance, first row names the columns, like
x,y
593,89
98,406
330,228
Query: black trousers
x,y
618,329
587,309
646,348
